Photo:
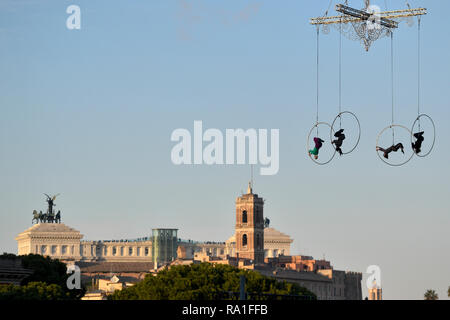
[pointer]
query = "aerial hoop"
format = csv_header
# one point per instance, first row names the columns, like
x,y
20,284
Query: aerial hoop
x,y
308,146
332,131
392,126
423,115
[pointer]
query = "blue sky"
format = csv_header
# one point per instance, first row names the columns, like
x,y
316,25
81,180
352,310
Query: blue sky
x,y
89,113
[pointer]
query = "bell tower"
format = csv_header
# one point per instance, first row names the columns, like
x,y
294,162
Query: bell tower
x,y
375,292
249,230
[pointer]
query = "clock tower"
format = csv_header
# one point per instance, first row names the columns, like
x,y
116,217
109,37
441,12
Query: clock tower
x,y
249,230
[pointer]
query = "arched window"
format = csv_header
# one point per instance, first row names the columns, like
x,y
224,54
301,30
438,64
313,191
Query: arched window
x,y
244,240
244,216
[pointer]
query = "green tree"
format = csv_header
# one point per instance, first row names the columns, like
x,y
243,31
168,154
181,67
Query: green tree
x,y
47,271
33,291
431,295
205,282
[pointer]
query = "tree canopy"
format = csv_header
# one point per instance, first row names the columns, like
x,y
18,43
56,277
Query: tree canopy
x,y
205,282
431,295
34,291
49,279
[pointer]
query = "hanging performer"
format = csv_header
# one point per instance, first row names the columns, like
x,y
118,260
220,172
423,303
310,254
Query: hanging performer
x,y
338,142
391,149
417,146
317,145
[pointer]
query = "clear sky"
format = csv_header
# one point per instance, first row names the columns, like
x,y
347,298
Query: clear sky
x,y
89,113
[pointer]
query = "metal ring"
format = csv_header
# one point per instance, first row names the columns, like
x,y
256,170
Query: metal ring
x,y
359,130
434,134
308,146
378,138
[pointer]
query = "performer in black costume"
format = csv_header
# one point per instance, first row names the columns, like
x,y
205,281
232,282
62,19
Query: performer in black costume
x,y
417,146
338,142
391,149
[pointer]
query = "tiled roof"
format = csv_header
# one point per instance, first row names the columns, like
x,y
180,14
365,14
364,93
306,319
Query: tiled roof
x,y
12,272
115,266
269,234
294,275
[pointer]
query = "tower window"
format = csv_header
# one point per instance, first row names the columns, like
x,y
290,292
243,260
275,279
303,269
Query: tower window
x,y
257,240
244,216
244,240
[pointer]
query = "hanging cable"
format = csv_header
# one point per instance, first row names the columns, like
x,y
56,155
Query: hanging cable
x,y
418,69
329,6
340,73
392,84
317,72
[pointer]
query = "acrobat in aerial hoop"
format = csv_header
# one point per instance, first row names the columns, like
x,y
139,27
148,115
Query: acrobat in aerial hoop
x,y
368,25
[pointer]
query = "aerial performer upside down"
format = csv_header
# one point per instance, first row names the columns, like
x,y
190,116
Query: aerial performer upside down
x,y
338,142
391,149
317,145
417,146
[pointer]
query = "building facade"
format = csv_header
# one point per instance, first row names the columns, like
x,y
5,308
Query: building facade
x,y
375,292
60,241
164,245
249,230
51,239
276,244
253,246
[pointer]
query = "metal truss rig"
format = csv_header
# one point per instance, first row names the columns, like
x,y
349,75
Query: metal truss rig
x,y
367,26
353,15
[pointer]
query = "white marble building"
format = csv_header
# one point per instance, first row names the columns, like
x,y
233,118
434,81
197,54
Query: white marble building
x,y
60,241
